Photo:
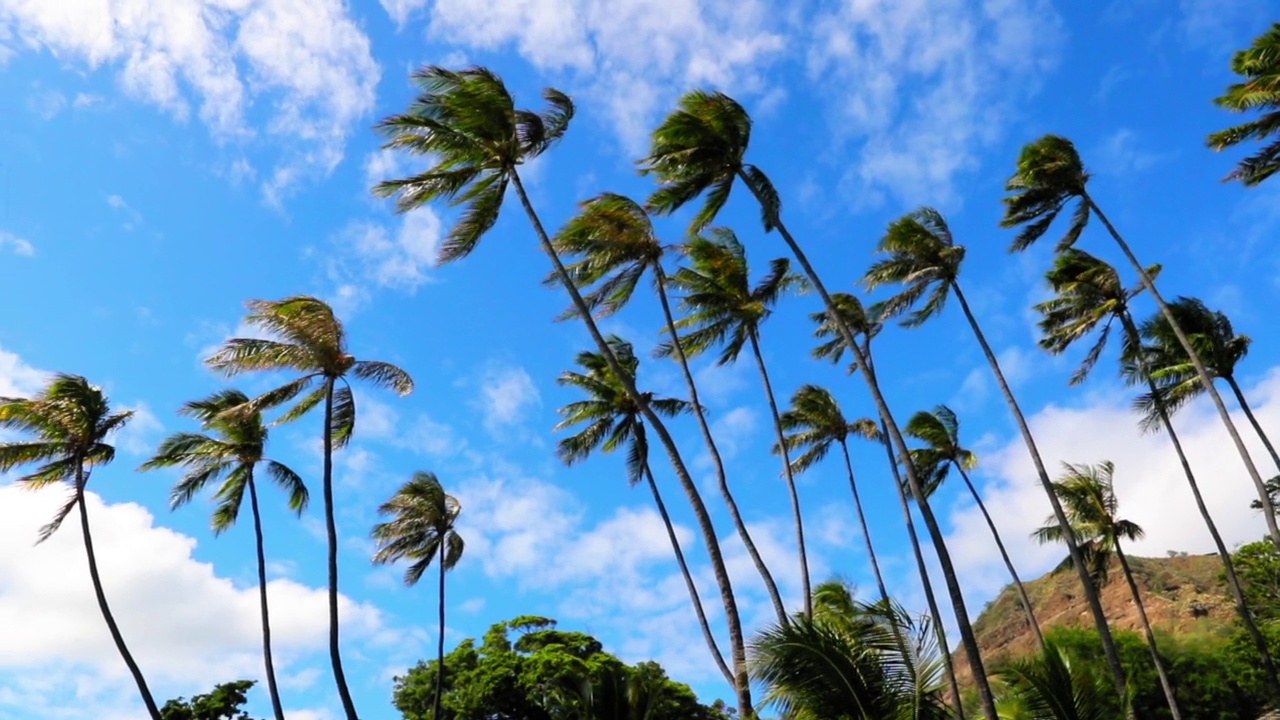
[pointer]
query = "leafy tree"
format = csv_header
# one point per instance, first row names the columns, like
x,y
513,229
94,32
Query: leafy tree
x,y
1052,685
1258,564
229,450
421,528
223,703
1259,66
306,338
67,424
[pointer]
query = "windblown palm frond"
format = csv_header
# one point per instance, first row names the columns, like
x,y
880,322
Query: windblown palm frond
x,y
920,256
1259,90
1050,175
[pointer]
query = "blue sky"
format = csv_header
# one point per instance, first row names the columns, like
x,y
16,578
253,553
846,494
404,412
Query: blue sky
x,y
158,168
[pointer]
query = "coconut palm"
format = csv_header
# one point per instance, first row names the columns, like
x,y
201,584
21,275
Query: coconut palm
x,y
67,425
1049,686
815,423
307,339
1089,296
422,528
611,419
699,150
228,452
467,124
726,311
939,429
1088,493
616,245
1259,66
1050,176
921,256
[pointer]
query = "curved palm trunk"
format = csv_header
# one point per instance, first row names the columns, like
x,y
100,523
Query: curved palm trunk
x,y
786,472
721,478
742,686
1151,638
331,528
272,689
110,619
967,638
1206,380
436,712
862,520
1023,598
1068,533
1248,413
1233,580
688,576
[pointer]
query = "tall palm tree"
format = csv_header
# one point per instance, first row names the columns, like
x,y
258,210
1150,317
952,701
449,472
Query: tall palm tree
x,y
1051,175
725,310
422,528
1089,294
1259,65
815,423
467,124
611,420
68,423
700,150
615,242
1049,686
940,431
306,338
921,255
1089,495
229,450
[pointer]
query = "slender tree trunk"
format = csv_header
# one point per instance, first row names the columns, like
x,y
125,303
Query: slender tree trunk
x,y
272,688
1206,380
955,594
1233,580
742,687
1008,562
786,473
862,520
110,619
688,576
1151,638
700,413
436,711
331,527
1248,413
1068,533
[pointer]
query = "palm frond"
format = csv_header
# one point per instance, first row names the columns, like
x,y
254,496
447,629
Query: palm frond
x,y
383,375
292,483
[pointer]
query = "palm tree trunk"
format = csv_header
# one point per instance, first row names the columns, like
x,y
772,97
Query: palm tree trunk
x,y
1151,638
272,689
331,527
1233,580
967,638
436,712
1268,510
862,520
1068,533
110,619
1008,563
737,642
786,472
1248,413
698,412
688,576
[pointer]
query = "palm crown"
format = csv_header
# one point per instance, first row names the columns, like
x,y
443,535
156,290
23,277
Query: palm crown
x,y
1259,65
1050,175
939,429
1087,492
420,527
923,257
466,121
831,343
1210,333
615,243
815,422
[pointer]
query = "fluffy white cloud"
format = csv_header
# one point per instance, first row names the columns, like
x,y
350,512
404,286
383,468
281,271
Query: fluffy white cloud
x,y
507,393
369,252
20,246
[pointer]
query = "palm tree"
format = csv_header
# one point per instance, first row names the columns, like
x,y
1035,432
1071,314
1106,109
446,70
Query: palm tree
x,y
422,528
848,661
308,339
815,423
229,450
1049,686
940,431
467,123
1259,65
611,419
725,310
68,423
1089,495
1050,175
1089,294
922,256
616,244
700,149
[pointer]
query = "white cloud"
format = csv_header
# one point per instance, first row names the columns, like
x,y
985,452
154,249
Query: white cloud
x,y
732,431
370,252
305,66
138,436
17,378
48,104
1120,154
20,246
507,393
1217,25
